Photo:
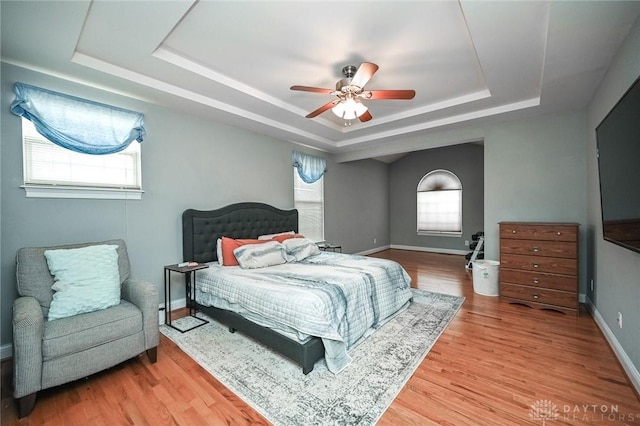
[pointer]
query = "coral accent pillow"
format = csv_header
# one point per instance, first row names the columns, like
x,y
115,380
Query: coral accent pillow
x,y
271,236
228,245
283,237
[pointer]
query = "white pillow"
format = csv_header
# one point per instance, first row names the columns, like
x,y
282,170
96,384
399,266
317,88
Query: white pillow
x,y
219,251
298,249
86,279
253,256
270,236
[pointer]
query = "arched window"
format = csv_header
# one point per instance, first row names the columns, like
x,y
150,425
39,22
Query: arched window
x,y
440,203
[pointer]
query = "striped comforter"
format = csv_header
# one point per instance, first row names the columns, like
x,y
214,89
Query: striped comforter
x,y
338,297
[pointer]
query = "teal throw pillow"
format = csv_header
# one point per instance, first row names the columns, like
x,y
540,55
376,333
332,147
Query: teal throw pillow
x,y
87,279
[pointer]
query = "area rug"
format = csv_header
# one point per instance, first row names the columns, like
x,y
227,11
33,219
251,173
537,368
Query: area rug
x,y
359,395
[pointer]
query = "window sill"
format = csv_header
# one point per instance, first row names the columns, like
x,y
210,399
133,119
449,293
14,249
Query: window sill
x,y
440,234
44,191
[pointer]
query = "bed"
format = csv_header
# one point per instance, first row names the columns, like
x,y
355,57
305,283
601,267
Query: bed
x,y
293,320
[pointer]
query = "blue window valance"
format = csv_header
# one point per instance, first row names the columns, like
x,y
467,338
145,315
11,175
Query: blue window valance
x,y
75,123
310,168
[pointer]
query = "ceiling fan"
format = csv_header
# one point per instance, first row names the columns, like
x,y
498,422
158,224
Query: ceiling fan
x,y
350,90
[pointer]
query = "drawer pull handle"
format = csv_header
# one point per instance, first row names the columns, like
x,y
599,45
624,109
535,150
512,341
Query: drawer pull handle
x,y
535,265
536,281
535,249
558,233
514,231
535,296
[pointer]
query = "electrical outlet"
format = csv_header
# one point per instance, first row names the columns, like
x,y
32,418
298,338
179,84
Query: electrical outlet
x,y
591,284
375,240
466,243
620,319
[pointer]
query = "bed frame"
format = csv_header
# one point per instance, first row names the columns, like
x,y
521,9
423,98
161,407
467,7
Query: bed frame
x,y
201,230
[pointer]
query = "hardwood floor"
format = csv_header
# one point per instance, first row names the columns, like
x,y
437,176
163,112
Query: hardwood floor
x,y
491,366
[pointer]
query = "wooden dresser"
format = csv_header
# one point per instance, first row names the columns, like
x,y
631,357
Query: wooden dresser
x,y
539,265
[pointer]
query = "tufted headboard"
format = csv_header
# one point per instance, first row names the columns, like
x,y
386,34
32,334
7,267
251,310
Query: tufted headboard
x,y
201,229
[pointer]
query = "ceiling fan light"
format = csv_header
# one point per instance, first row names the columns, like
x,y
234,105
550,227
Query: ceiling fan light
x,y
360,108
349,109
339,109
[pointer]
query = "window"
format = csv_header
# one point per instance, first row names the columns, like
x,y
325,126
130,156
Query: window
x,y
53,171
308,199
440,204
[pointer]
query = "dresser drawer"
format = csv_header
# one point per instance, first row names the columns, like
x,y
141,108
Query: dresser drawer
x,y
545,232
566,249
554,265
538,279
540,295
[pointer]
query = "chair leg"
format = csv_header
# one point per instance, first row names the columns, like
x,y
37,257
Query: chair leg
x,y
153,354
26,404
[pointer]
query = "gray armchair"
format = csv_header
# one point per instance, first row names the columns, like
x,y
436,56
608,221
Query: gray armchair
x,y
50,353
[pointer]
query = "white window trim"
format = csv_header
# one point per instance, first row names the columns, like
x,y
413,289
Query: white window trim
x,y
81,192
35,189
434,233
441,234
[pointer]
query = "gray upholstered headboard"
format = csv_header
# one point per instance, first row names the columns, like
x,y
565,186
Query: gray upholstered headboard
x,y
201,229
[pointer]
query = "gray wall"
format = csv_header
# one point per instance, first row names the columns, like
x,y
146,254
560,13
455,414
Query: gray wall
x,y
535,170
616,271
467,162
187,162
357,206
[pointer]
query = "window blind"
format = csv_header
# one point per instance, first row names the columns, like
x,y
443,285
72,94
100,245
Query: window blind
x,y
48,164
309,201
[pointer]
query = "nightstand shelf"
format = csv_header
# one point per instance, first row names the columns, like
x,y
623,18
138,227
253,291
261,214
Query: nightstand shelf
x,y
189,273
335,248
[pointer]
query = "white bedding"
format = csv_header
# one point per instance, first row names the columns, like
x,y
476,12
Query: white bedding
x,y
338,297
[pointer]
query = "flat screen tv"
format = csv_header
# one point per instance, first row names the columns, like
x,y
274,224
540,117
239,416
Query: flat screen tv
x,y
618,141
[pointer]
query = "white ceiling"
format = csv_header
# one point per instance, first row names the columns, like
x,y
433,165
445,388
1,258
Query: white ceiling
x,y
234,61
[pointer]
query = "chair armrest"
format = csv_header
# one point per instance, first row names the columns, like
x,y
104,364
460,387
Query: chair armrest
x,y
144,295
28,331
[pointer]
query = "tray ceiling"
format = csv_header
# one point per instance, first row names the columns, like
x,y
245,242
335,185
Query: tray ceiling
x,y
235,61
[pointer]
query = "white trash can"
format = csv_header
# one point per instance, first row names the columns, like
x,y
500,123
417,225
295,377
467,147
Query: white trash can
x,y
485,277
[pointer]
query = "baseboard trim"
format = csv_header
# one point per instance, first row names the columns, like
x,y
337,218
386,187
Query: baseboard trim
x,y
618,350
6,351
430,249
175,304
374,250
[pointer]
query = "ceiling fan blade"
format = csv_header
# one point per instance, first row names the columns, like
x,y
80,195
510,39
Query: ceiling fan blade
x,y
365,117
322,109
389,94
311,89
364,74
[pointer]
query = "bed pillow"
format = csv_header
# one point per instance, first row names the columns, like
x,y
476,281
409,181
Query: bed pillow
x,y
219,251
86,279
282,237
253,256
272,236
228,245
298,249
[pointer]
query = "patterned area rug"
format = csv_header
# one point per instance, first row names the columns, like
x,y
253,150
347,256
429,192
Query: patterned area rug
x,y
359,395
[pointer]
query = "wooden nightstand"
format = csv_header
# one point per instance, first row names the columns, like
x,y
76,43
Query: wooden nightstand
x,y
190,293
